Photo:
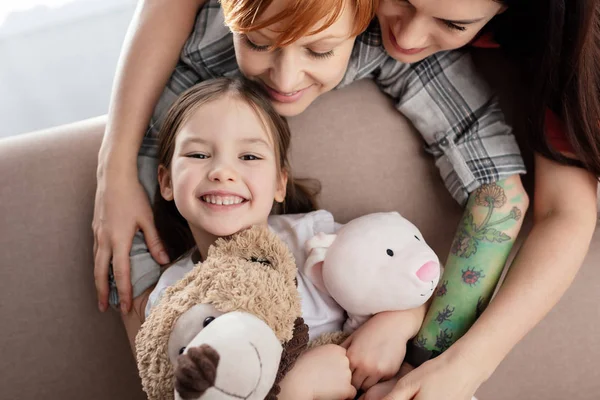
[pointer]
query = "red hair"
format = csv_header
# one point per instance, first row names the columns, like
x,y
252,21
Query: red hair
x,y
299,18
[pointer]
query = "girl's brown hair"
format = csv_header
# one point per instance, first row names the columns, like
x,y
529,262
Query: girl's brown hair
x,y
298,18
559,42
300,194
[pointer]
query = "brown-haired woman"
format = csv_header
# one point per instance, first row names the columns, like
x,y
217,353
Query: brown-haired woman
x,y
557,45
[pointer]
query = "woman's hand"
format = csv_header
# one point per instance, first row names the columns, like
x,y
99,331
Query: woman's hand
x,y
121,208
376,350
322,373
450,376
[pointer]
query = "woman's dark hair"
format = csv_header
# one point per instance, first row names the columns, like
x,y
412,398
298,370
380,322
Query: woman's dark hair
x,y
300,194
559,40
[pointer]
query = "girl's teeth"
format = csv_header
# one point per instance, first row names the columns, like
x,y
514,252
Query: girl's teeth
x,y
226,201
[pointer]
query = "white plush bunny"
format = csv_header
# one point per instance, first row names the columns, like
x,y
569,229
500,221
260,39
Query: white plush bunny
x,y
378,262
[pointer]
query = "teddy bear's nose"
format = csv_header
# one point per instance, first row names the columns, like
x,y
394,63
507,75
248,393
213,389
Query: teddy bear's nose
x,y
428,271
196,371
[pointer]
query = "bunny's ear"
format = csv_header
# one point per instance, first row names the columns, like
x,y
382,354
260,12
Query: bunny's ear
x,y
316,248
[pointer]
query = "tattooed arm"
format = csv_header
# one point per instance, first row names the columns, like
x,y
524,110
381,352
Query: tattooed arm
x,y
564,221
565,215
484,239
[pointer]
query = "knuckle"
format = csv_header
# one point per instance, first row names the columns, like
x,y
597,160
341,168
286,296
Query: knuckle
x,y
120,274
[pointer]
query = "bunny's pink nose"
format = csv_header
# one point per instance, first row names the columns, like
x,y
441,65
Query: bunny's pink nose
x,y
428,271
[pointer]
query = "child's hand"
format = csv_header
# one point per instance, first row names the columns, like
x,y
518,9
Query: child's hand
x,y
376,350
322,373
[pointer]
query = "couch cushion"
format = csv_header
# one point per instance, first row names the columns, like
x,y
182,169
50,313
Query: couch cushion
x,y
53,341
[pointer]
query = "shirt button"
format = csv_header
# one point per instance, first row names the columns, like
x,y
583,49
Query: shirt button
x,y
444,142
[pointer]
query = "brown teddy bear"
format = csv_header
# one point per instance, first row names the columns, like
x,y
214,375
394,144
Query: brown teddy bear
x,y
231,328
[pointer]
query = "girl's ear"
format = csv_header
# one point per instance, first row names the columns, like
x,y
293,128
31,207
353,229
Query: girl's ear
x,y
165,183
281,188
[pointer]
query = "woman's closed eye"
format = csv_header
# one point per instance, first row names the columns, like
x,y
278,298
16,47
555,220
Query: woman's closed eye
x,y
253,45
453,26
320,55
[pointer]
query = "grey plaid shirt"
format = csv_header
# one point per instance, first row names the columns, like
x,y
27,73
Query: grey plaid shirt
x,y
443,96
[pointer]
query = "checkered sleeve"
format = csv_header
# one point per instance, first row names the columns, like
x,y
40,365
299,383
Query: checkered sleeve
x,y
208,53
459,118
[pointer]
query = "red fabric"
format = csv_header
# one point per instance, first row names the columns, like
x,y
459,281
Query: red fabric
x,y
485,41
553,126
555,133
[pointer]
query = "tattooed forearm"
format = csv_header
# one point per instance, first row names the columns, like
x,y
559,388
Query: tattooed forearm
x,y
486,233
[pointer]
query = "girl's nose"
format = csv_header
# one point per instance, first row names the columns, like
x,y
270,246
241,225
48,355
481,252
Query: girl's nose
x,y
222,173
428,271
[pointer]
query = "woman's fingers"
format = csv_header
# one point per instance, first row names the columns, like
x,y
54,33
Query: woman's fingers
x,y
101,264
155,245
122,272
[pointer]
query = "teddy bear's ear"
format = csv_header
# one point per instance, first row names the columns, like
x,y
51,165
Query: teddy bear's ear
x,y
316,248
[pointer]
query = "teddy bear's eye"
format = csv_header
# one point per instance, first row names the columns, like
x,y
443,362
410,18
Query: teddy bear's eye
x,y
416,237
207,321
260,260
390,252
181,350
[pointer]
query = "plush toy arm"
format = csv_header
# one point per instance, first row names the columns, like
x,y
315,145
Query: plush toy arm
x,y
353,322
316,248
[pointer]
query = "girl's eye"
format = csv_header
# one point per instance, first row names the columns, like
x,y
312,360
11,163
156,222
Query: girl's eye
x,y
253,45
181,350
416,237
249,157
454,27
199,156
320,56
207,321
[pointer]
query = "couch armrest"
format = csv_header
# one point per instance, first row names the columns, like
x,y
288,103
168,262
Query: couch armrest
x,y
53,341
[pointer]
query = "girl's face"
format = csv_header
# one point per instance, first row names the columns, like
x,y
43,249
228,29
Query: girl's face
x,y
415,29
297,74
224,174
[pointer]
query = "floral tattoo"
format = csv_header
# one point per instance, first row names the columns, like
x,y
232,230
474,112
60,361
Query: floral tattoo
x,y
469,235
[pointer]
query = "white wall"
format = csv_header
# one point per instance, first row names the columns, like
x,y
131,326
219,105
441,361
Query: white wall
x,y
57,66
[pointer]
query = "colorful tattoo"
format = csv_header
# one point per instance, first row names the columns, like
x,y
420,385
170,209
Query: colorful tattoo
x,y
472,277
442,289
443,340
478,254
420,341
444,315
470,235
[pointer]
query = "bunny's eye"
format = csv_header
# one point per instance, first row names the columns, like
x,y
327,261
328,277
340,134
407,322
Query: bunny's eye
x,y
390,252
260,260
207,321
181,350
416,237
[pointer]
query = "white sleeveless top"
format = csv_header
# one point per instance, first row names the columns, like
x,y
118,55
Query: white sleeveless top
x,y
320,312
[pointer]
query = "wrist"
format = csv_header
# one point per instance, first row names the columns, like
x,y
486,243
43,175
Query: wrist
x,y
116,158
472,358
114,165
293,387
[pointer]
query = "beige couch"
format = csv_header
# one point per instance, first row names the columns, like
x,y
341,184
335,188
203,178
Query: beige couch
x,y
54,344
